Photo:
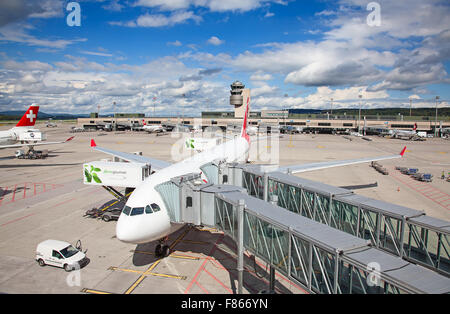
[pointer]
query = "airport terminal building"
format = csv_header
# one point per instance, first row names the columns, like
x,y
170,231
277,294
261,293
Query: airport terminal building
x,y
309,122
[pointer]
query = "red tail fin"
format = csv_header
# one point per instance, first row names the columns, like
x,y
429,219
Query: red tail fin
x,y
403,152
244,133
30,116
93,144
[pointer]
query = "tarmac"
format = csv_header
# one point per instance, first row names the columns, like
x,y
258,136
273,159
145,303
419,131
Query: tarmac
x,y
46,199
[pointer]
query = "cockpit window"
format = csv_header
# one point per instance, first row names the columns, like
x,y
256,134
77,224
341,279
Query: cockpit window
x,y
155,208
148,210
137,211
126,210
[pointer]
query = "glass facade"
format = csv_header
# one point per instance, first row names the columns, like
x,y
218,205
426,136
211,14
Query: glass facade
x,y
430,248
427,247
254,184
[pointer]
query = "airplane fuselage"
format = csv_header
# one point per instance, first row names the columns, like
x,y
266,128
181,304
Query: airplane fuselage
x,y
8,137
147,227
153,128
15,135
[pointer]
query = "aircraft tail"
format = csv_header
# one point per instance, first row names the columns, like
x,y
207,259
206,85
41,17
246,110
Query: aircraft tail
x,y
30,116
415,127
244,133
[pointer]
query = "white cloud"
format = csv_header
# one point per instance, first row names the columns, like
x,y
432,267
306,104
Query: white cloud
x,y
259,76
175,43
263,90
95,53
114,5
215,41
212,5
26,65
18,10
17,33
161,20
78,85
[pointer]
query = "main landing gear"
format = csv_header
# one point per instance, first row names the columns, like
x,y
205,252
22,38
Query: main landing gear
x,y
161,249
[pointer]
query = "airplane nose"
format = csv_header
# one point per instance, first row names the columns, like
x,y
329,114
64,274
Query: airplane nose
x,y
124,231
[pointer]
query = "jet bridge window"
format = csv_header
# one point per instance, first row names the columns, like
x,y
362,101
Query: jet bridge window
x,y
188,201
137,211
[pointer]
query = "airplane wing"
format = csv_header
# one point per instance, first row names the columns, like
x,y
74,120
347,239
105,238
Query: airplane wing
x,y
156,163
35,144
324,165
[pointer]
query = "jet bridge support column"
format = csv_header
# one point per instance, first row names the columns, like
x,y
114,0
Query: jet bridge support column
x,y
240,265
272,280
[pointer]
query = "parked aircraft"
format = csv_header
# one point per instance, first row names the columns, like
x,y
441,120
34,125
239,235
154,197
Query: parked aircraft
x,y
252,130
404,133
156,128
145,216
23,134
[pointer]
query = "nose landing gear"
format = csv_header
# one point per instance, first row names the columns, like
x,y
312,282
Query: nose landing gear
x,y
162,250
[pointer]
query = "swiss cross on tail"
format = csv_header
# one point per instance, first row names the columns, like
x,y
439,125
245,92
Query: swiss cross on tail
x,y
29,118
245,123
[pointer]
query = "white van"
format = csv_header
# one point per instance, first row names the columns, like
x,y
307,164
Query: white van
x,y
60,254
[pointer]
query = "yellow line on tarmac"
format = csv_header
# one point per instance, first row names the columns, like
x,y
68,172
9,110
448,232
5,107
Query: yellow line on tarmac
x,y
103,209
139,280
167,276
171,255
94,291
208,229
145,273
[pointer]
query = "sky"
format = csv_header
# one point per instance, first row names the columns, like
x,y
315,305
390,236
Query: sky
x,y
166,57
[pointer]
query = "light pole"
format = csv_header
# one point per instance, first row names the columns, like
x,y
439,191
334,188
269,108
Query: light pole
x,y
435,123
410,107
359,115
331,108
115,117
182,110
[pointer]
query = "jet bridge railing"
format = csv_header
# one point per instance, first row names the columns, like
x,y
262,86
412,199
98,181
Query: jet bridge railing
x,y
395,229
401,231
320,258
426,242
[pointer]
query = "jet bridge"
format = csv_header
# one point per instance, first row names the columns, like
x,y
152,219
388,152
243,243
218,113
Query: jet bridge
x,y
189,199
316,256
399,230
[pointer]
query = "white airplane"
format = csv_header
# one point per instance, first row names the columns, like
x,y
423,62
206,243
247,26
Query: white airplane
x,y
145,217
252,130
404,133
157,128
23,134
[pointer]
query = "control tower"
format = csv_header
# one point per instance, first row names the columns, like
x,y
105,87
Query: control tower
x,y
238,98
